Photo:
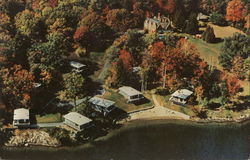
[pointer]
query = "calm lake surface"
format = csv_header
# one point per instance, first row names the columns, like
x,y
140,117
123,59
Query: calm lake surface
x,y
154,140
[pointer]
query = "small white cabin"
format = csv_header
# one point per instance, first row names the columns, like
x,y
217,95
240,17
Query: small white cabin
x,y
136,69
131,94
21,117
202,17
77,121
77,67
181,96
102,105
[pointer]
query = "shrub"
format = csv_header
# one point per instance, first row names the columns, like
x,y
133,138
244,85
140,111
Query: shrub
x,y
217,19
62,135
5,136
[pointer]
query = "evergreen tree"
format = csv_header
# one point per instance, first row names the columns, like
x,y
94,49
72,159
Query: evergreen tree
x,y
192,24
209,35
179,15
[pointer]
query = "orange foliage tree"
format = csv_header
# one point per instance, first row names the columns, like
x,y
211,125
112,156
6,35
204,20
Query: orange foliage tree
x,y
168,6
158,49
126,59
52,3
17,86
235,11
233,85
79,34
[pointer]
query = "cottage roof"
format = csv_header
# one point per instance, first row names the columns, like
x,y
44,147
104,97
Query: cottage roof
x,y
78,102
136,69
21,113
101,102
76,65
37,85
129,91
77,118
182,93
202,16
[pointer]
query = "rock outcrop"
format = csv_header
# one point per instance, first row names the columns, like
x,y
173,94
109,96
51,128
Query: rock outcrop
x,y
32,138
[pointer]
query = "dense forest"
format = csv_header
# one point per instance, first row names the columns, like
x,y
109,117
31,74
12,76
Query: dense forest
x,y
38,38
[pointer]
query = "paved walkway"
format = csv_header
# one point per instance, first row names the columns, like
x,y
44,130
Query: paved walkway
x,y
158,112
47,125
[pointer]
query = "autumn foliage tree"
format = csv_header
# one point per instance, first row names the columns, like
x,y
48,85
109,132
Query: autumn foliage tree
x,y
117,75
81,36
232,84
235,11
238,67
120,20
73,85
17,86
168,6
121,69
126,59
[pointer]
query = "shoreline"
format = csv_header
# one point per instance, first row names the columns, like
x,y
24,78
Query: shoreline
x,y
195,120
131,124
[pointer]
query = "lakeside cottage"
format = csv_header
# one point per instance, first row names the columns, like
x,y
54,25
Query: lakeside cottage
x,y
102,105
131,94
21,117
77,121
181,96
77,67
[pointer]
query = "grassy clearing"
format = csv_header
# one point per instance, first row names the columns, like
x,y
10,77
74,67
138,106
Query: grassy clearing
x,y
121,101
49,118
225,31
208,51
211,51
164,101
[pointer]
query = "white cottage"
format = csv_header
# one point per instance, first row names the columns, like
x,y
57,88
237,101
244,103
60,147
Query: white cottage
x,y
181,96
21,117
131,94
102,105
77,121
77,67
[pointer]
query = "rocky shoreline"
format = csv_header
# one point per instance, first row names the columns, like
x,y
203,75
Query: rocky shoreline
x,y
25,138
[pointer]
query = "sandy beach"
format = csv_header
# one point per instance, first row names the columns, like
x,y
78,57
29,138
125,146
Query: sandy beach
x,y
157,112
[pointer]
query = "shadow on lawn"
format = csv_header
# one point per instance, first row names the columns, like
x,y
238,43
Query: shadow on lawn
x,y
141,102
218,40
118,114
245,103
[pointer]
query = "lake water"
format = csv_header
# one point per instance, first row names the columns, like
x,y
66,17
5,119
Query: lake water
x,y
154,140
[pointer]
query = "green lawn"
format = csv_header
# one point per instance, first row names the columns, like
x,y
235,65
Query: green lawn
x,y
49,118
121,101
99,58
208,51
